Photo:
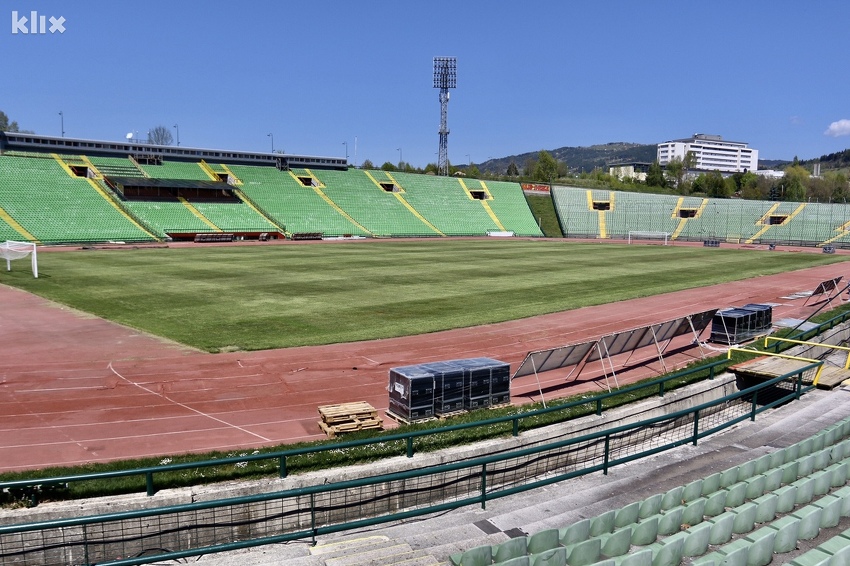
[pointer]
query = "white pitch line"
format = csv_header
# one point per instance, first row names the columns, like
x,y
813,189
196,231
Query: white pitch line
x,y
188,408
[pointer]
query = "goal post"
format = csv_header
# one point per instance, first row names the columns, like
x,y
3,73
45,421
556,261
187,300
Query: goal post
x,y
11,249
644,235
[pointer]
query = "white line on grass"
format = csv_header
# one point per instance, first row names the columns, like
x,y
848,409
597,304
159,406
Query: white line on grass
x,y
152,392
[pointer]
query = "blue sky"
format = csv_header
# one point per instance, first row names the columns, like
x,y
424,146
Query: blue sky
x,y
531,75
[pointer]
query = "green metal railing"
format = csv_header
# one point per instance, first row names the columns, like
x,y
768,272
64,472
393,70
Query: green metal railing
x,y
31,486
409,438
179,531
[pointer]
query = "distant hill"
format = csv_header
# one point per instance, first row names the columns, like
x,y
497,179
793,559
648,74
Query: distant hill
x,y
588,158
578,159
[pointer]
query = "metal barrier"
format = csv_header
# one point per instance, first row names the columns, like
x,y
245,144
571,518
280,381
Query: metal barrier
x,y
408,438
167,533
280,457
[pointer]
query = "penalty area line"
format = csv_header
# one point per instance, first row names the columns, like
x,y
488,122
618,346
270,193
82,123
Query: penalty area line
x,y
187,407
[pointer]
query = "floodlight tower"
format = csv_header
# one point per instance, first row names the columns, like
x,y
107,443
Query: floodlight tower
x,y
445,77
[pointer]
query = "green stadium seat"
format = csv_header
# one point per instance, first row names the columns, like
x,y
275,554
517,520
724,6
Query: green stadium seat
x,y
542,541
478,556
645,532
787,533
509,549
551,557
577,532
809,517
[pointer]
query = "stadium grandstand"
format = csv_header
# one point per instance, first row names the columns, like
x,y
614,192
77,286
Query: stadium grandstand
x,y
594,213
64,190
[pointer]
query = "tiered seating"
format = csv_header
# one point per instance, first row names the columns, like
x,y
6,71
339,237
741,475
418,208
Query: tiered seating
x,y
445,204
176,170
379,211
511,208
55,207
291,204
233,217
726,219
746,513
577,219
641,212
7,232
165,216
814,224
116,167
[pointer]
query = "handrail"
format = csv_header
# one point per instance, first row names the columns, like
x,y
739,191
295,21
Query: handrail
x,y
816,344
775,355
281,456
308,496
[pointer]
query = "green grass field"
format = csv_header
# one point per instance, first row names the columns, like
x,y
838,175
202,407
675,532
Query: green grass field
x,y
260,297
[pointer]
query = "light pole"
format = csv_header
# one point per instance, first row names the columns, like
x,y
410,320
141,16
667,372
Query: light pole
x,y
272,137
62,122
469,160
400,157
178,134
345,143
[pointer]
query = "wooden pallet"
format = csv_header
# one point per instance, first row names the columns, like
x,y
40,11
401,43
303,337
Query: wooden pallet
x,y
349,417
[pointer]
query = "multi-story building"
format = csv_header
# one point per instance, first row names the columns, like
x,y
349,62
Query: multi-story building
x,y
711,153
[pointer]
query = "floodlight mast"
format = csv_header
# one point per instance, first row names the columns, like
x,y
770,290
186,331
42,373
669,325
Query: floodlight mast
x,y
445,77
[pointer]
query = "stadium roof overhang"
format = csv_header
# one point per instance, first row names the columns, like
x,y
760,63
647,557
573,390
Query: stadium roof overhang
x,y
144,182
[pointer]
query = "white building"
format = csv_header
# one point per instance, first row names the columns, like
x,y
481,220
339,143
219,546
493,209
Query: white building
x,y
711,153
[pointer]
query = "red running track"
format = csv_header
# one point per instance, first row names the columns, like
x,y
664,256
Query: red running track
x,y
76,389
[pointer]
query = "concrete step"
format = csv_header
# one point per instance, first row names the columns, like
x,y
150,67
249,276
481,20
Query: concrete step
x,y
372,551
347,546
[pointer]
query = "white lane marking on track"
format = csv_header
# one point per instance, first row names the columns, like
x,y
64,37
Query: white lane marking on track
x,y
188,408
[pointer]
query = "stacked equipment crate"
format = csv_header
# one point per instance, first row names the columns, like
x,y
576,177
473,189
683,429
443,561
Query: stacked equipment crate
x,y
739,324
422,391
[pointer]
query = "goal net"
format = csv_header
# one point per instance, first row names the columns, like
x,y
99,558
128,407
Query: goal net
x,y
657,236
10,250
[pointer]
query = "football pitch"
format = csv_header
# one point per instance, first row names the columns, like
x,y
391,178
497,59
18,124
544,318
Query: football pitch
x,y
276,296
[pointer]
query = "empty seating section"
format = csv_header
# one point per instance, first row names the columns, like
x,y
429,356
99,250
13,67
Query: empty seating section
x,y
164,216
52,206
176,170
510,207
291,204
813,224
634,212
445,204
7,232
233,217
55,207
116,167
741,516
695,218
577,219
377,210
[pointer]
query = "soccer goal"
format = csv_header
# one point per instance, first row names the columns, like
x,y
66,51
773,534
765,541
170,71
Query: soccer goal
x,y
656,236
10,250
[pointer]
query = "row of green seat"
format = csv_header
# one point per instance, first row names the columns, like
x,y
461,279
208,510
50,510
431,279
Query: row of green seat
x,y
726,219
53,206
685,520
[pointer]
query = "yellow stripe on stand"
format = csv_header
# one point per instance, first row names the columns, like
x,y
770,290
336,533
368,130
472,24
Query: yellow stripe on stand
x,y
328,200
236,180
117,207
197,213
17,227
208,170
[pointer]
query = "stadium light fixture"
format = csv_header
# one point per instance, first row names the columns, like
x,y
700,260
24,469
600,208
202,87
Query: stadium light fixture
x,y
345,143
62,122
178,134
445,77
400,157
272,137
